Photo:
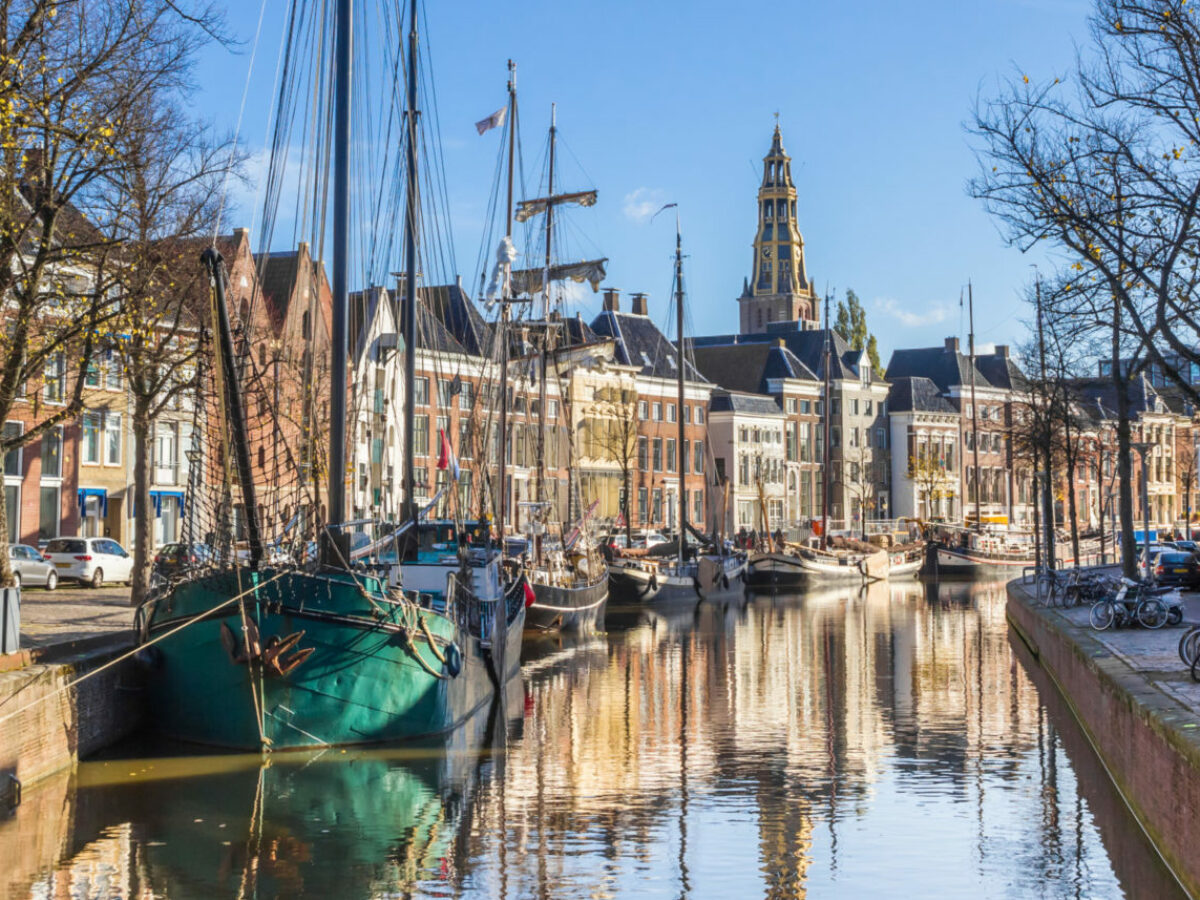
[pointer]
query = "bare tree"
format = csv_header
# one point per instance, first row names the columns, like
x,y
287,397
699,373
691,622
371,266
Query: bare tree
x,y
72,75
615,434
928,472
163,204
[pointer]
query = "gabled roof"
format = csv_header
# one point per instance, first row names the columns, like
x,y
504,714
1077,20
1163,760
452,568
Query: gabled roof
x,y
1000,370
748,367
277,272
740,402
806,345
577,332
451,306
641,344
1100,393
919,394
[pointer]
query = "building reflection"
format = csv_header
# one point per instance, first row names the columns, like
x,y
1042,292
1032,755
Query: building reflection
x,y
637,760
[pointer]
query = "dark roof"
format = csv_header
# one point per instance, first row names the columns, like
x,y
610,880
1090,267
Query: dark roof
x,y
577,332
640,343
456,311
806,345
918,394
747,367
1000,370
1100,393
947,367
738,402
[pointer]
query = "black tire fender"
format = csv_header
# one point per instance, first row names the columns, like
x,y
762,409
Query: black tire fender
x,y
453,659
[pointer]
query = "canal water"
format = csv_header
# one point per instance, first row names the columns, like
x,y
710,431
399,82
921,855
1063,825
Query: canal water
x,y
894,742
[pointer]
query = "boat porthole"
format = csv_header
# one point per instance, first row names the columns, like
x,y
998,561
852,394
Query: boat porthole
x,y
453,659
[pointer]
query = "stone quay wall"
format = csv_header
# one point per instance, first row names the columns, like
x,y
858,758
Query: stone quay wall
x,y
1147,739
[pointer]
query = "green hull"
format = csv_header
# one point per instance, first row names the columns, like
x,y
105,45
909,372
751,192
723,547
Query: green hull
x,y
363,682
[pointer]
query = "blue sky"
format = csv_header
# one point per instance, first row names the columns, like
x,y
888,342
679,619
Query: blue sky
x,y
674,101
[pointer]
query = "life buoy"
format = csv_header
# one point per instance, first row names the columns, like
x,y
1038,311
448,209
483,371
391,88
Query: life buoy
x,y
453,659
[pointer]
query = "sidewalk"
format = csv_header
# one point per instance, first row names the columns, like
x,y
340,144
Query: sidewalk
x,y
73,613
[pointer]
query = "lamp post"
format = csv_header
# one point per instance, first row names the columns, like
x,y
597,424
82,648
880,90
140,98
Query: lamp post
x,y
1144,448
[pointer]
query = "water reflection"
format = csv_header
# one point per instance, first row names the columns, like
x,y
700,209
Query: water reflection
x,y
887,742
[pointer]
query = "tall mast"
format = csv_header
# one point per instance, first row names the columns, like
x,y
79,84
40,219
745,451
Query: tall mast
x,y
410,267
541,441
505,299
826,481
679,412
341,252
974,408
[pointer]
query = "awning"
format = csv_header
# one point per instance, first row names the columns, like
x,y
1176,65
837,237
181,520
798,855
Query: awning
x,y
99,493
157,497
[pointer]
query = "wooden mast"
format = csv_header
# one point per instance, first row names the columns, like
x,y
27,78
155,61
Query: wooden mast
x,y
540,494
679,458
826,481
974,408
505,300
410,278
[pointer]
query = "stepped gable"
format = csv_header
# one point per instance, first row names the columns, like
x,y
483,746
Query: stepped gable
x,y
639,343
917,394
748,367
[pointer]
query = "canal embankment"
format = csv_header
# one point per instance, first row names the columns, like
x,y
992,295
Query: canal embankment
x,y
1139,709
72,688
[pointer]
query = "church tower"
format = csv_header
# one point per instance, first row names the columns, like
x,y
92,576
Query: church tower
x,y
778,289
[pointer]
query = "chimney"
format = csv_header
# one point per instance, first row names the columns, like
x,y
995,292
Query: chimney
x,y
640,305
952,344
240,234
612,300
1002,351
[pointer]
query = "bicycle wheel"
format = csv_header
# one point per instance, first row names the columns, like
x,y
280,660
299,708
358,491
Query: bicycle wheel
x,y
1174,615
1188,644
1196,668
1151,613
1102,614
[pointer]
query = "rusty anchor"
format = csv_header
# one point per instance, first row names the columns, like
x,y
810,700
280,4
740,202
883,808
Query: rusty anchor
x,y
273,654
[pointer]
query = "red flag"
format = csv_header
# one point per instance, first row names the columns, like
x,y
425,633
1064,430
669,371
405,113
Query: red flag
x,y
446,457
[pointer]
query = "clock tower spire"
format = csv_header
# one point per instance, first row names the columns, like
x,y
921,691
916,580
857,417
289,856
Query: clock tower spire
x,y
779,289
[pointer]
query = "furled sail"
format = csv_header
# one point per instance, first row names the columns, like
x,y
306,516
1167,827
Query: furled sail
x,y
527,209
529,281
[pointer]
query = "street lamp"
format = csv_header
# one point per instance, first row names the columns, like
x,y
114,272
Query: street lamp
x,y
1144,448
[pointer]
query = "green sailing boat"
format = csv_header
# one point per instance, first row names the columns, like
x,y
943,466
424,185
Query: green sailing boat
x,y
273,650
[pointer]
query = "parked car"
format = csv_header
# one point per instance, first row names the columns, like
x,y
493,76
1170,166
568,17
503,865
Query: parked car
x,y
1177,567
30,569
1189,546
90,560
171,559
649,539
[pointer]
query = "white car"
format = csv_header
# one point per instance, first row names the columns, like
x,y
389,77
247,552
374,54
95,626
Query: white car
x,y
90,560
649,539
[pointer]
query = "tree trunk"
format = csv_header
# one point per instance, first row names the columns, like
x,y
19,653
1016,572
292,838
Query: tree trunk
x,y
1071,464
6,575
144,512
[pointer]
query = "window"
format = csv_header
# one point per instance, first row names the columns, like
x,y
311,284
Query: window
x,y
642,508
12,459
687,456
12,504
743,468
835,437
671,459
657,511
658,457
552,409
165,449
854,406
792,405
443,426
868,408
657,412
670,412
699,415
444,388
90,450
643,410
49,517
836,406
52,453
113,375
641,454
698,457
421,391
466,397
92,377
805,407
464,438
53,377
881,438
421,432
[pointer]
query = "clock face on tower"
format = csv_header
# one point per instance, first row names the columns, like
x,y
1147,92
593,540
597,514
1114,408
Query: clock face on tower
x,y
766,252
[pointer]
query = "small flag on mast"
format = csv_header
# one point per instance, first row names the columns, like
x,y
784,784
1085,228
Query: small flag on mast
x,y
495,120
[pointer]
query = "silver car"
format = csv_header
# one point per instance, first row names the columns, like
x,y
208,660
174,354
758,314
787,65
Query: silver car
x,y
30,569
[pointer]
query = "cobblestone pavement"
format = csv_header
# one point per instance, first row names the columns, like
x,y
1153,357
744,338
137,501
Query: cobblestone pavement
x,y
70,613
1154,653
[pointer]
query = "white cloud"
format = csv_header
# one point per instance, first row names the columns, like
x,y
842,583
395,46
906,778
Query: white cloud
x,y
930,315
641,203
